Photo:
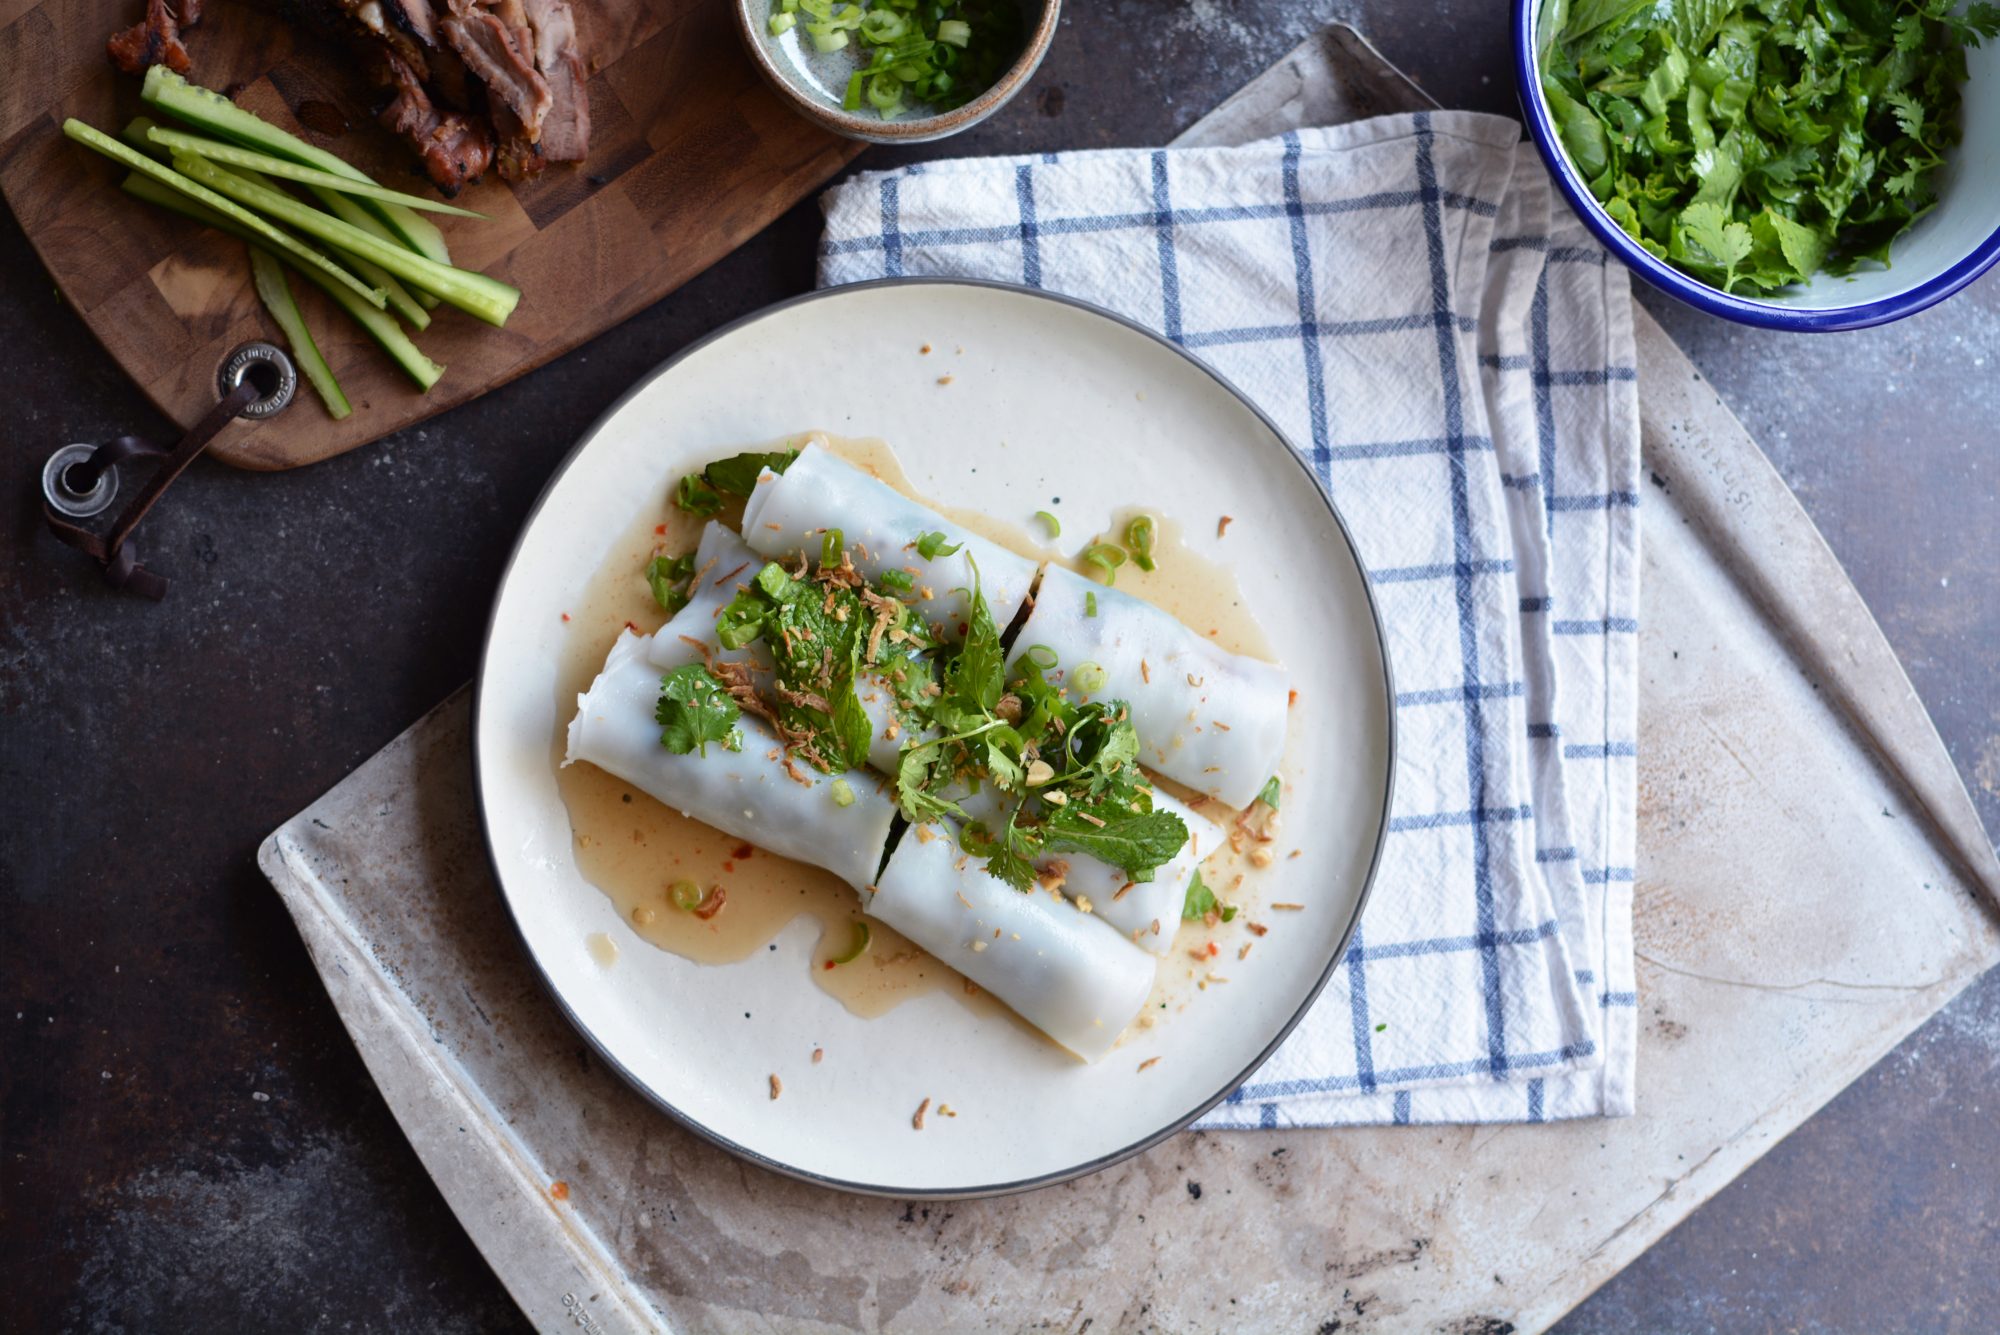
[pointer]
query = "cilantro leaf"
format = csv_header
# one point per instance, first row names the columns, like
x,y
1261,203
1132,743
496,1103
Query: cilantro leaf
x,y
1137,842
1201,902
1009,854
1754,143
932,545
1711,241
915,780
738,474
694,710
1909,112
1007,865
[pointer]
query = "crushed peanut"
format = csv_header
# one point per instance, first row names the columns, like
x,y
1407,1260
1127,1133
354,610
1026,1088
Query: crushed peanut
x,y
777,1086
918,1120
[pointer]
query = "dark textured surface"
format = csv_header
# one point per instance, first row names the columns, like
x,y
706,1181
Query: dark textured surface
x,y
188,1140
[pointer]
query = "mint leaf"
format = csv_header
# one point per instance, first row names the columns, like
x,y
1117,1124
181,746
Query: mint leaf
x,y
1135,842
738,474
694,710
851,726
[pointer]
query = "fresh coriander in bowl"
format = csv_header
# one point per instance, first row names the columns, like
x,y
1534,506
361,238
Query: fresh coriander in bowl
x,y
1790,163
897,71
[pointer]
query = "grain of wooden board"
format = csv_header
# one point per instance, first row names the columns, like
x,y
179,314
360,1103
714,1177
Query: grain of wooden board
x,y
690,155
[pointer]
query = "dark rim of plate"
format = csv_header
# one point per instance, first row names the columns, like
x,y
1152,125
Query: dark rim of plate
x,y
1175,1125
1763,314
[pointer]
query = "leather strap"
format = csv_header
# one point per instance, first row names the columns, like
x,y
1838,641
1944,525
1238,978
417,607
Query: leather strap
x,y
112,552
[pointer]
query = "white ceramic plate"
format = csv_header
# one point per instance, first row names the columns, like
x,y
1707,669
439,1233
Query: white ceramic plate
x,y
1048,398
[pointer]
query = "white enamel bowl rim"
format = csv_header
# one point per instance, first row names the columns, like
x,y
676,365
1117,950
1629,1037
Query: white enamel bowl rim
x,y
1276,440
1897,293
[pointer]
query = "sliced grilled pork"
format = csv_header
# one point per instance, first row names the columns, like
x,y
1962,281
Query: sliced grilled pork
x,y
154,40
493,53
455,149
566,129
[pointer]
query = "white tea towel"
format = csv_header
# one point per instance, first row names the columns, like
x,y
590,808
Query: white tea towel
x,y
1454,356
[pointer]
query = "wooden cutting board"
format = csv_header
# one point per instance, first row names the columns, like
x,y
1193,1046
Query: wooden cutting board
x,y
691,154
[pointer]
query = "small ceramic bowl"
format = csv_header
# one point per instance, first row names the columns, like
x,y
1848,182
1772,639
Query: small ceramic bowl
x,y
814,82
1942,252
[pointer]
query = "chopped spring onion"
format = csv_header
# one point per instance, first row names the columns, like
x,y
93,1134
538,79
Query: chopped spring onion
x,y
229,155
1090,604
199,190
489,299
843,793
932,545
695,496
880,26
832,548
1269,795
1139,537
1055,525
856,948
899,580
937,53
269,277
667,576
885,94
378,324
1041,655
685,896
1089,678
1107,557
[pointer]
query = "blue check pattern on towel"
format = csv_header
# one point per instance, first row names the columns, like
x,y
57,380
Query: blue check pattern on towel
x,y
1454,356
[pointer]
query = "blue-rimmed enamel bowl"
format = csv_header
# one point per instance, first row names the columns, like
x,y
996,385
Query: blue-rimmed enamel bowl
x,y
1946,249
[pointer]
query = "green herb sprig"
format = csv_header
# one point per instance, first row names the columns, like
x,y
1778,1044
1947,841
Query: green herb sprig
x,y
1754,144
705,493
695,710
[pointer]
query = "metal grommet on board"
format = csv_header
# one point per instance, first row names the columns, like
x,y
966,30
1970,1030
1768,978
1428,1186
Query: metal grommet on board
x,y
269,371
256,381
63,477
